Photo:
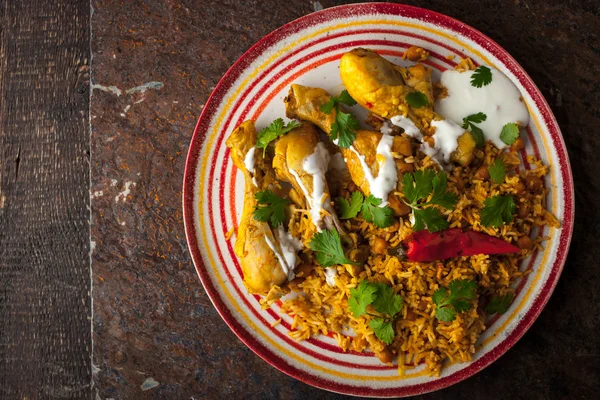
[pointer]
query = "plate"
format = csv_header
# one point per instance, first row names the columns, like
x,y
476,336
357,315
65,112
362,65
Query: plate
x,y
307,51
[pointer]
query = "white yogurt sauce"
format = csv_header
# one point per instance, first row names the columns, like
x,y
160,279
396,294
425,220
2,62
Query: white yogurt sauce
x,y
407,125
500,101
387,179
249,162
330,274
316,165
287,257
446,137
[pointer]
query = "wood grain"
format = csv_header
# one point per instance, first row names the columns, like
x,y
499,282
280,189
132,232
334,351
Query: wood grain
x,y
45,330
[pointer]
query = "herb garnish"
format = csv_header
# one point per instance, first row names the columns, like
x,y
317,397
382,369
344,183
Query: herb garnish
x,y
497,171
350,209
476,132
369,207
497,210
276,129
345,125
510,133
383,300
499,304
481,77
270,208
416,99
419,186
381,217
328,248
457,300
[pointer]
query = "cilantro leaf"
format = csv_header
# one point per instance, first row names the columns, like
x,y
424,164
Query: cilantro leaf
x,y
381,217
430,218
416,99
481,77
418,185
328,248
497,210
499,304
497,171
475,118
328,107
349,209
470,121
346,99
445,314
478,136
344,129
455,299
384,330
276,129
440,196
386,301
463,288
361,297
270,208
510,133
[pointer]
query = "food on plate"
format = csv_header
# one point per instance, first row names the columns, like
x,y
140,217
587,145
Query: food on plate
x,y
401,238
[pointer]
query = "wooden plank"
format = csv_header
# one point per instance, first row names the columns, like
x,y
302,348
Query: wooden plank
x,y
45,311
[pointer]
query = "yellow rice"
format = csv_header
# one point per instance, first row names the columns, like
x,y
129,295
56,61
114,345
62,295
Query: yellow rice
x,y
320,309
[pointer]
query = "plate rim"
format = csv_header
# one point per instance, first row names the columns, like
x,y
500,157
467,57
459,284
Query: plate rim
x,y
195,147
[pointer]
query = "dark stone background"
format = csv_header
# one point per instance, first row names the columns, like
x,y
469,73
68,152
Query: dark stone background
x,y
152,320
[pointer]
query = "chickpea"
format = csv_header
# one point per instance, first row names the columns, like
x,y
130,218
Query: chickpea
x,y
534,183
520,188
524,210
525,242
411,315
304,269
482,172
379,246
352,187
415,53
405,167
385,356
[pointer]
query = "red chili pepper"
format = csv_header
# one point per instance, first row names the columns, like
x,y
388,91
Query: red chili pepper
x,y
427,246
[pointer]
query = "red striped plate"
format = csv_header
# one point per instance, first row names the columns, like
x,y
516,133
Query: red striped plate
x,y
307,51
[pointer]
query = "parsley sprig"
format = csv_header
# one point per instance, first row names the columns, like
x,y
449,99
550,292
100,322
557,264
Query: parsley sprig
x,y
384,302
416,99
510,133
456,299
497,171
381,217
270,208
499,304
497,210
328,248
345,125
276,129
470,121
423,185
481,77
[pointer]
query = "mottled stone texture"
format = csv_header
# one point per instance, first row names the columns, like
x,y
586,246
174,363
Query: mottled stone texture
x,y
154,326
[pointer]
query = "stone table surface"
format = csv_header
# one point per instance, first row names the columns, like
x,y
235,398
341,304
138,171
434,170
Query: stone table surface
x,y
155,331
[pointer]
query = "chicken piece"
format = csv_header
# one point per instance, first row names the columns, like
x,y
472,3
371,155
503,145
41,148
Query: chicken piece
x,y
302,160
365,145
260,265
381,87
304,102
